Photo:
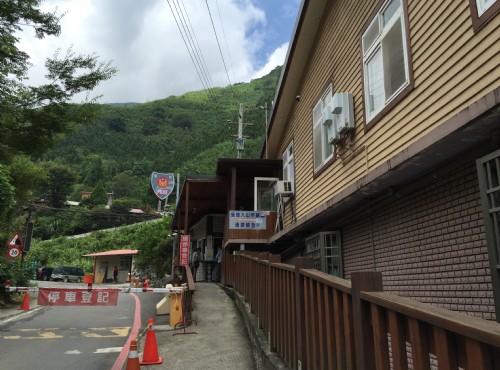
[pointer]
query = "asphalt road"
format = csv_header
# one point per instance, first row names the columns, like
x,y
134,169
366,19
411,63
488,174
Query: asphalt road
x,y
72,337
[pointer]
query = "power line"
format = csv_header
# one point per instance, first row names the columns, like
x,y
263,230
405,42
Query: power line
x,y
220,50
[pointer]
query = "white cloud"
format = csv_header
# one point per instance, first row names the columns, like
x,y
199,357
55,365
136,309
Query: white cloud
x,y
277,58
142,39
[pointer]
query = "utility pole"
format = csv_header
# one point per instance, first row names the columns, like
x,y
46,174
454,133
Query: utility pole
x,y
265,110
240,138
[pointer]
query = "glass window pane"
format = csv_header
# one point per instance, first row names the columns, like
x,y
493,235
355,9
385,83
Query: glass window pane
x,y
390,10
375,81
327,147
317,145
317,112
265,196
394,61
483,6
371,35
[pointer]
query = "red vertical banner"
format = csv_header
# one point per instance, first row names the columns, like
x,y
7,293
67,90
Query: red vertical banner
x,y
184,250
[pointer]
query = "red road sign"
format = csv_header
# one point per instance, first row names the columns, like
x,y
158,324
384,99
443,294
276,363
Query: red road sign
x,y
16,241
13,252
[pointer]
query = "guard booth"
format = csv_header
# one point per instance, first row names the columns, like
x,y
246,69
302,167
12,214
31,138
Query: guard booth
x,y
104,262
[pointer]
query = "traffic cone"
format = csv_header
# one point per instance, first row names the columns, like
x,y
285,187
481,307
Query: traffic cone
x,y
133,358
128,278
146,283
150,354
25,304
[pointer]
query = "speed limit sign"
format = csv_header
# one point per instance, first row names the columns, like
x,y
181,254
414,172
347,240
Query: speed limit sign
x,y
13,252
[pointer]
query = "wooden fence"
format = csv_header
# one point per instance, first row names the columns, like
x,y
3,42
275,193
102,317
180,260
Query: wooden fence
x,y
317,321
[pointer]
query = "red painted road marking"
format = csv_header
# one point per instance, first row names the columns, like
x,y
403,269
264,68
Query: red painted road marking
x,y
122,357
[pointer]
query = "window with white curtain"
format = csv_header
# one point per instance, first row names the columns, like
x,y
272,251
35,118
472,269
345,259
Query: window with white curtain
x,y
484,5
385,58
322,130
289,165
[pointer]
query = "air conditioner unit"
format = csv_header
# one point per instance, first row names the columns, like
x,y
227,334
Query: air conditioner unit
x,y
283,188
342,112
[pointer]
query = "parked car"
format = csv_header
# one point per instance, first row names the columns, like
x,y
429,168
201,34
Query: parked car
x,y
67,273
44,273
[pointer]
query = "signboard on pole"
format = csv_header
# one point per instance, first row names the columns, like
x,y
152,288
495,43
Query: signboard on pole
x,y
184,250
13,252
15,241
162,184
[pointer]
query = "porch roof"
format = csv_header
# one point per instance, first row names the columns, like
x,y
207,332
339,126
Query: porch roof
x,y
202,195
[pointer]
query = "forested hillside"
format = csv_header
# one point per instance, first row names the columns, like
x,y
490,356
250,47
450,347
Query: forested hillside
x,y
123,144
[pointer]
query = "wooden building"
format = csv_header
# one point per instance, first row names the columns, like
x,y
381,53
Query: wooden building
x,y
386,130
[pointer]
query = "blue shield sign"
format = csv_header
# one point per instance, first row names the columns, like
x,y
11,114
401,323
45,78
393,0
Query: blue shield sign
x,y
162,184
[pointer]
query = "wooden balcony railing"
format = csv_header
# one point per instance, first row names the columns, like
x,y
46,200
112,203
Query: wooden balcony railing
x,y
317,321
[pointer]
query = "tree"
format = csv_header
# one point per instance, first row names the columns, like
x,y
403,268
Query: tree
x,y
95,171
25,175
98,196
7,192
58,186
31,116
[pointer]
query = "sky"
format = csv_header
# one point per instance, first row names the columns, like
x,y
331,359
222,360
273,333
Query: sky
x,y
143,41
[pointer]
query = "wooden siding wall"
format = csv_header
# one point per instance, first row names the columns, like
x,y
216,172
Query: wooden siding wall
x,y
429,245
452,68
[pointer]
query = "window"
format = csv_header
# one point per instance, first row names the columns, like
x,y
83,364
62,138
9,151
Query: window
x,y
488,169
322,130
325,250
264,194
482,11
483,6
385,58
289,164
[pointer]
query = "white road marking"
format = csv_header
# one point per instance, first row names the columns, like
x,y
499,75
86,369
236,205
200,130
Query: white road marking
x,y
109,350
73,352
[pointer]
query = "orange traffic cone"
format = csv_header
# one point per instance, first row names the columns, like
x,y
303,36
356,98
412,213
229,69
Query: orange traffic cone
x,y
25,304
128,278
150,354
146,283
133,358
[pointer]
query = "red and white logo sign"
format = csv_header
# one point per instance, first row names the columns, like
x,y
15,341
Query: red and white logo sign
x,y
13,252
184,250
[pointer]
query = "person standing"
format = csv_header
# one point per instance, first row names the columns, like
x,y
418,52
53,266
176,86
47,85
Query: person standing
x,y
115,274
196,262
218,258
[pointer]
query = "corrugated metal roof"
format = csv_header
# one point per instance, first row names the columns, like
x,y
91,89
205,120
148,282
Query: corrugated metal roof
x,y
117,252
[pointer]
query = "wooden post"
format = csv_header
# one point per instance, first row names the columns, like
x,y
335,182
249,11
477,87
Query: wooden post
x,y
364,281
271,295
301,263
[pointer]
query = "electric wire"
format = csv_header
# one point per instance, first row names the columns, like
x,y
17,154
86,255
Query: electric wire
x,y
220,50
196,59
225,40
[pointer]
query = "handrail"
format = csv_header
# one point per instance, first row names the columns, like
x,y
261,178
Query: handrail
x,y
469,326
318,321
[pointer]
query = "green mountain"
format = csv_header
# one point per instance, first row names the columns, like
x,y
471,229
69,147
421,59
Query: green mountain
x,y
178,134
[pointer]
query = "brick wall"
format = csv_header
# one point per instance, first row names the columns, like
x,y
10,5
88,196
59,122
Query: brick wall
x,y
429,245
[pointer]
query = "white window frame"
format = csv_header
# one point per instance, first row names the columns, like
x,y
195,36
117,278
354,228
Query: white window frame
x,y
325,255
322,149
373,48
270,181
483,6
289,165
